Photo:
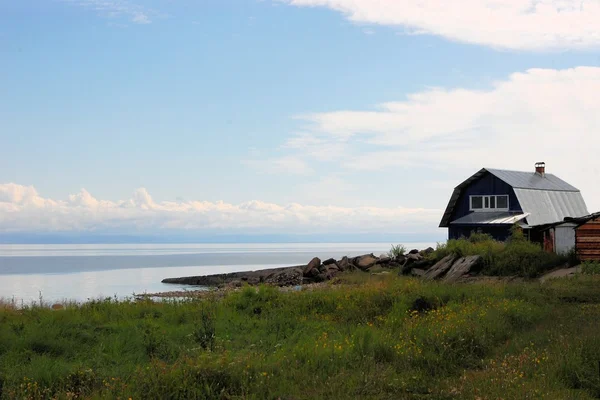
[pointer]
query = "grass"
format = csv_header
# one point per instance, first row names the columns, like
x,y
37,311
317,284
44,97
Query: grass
x,y
375,336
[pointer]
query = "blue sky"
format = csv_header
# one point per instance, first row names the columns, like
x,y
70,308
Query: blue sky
x,y
277,115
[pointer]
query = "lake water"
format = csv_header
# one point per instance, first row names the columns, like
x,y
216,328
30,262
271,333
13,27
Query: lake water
x,y
81,272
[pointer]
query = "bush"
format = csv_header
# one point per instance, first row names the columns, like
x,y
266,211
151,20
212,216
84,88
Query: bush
x,y
524,259
397,251
517,256
590,268
477,244
573,257
204,331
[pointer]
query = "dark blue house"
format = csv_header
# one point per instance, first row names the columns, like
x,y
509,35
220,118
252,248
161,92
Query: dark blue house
x,y
493,200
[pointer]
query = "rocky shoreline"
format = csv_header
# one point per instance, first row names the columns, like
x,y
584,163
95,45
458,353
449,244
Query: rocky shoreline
x,y
315,271
317,274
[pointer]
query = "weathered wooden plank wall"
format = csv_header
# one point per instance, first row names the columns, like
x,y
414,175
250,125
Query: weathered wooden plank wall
x,y
587,240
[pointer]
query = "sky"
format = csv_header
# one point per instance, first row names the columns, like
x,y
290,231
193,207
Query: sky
x,y
308,117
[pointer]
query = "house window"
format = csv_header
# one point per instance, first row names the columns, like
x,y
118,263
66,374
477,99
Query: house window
x,y
489,203
476,202
502,202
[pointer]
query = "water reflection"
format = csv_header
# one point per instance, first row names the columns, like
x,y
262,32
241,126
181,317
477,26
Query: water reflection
x,y
83,286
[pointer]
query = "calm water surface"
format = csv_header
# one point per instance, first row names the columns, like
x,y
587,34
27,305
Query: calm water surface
x,y
82,272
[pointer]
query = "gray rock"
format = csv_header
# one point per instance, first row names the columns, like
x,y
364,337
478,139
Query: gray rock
x,y
314,263
365,262
463,266
413,251
440,268
289,277
424,264
411,259
343,264
384,259
427,251
313,273
332,270
329,261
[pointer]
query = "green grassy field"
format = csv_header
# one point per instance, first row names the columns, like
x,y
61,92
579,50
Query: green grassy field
x,y
371,336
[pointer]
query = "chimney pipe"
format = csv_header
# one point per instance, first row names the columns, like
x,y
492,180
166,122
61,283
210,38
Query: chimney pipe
x,y
540,168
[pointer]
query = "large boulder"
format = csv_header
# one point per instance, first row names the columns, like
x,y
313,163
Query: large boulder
x,y
322,277
441,267
314,263
365,262
413,251
411,259
427,251
384,259
343,264
313,273
400,259
463,266
332,270
329,261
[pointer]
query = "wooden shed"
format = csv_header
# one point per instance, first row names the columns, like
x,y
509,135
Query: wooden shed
x,y
587,238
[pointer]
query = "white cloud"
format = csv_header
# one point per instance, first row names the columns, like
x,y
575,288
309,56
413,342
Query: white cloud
x,y
116,9
23,209
538,115
510,24
141,18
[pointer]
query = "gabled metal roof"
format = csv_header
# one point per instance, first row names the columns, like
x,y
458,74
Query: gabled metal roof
x,y
546,198
549,206
531,180
490,218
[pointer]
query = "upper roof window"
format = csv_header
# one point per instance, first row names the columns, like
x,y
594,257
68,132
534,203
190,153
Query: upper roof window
x,y
489,203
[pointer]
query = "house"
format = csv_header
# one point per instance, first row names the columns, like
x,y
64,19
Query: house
x,y
493,200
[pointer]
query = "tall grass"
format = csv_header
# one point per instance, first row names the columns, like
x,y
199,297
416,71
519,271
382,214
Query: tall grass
x,y
517,256
379,337
397,251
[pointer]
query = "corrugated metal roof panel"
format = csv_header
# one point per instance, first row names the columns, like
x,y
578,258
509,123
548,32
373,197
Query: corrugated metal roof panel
x,y
531,180
549,206
496,218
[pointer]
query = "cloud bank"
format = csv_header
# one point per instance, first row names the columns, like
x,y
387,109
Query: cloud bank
x,y
509,24
23,209
537,115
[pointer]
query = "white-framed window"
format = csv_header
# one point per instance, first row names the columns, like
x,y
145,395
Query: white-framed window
x,y
489,203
